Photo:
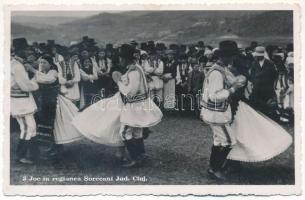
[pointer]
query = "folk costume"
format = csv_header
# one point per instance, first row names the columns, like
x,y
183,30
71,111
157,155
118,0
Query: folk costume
x,y
216,111
55,111
154,71
120,119
235,124
169,74
23,106
181,85
88,75
69,78
104,81
48,92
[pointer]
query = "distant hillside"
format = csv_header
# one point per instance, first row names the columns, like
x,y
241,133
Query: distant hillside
x,y
168,26
41,21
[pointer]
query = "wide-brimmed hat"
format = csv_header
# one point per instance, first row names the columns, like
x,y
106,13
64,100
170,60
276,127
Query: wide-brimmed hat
x,y
200,44
127,51
133,42
227,48
259,51
143,46
20,44
85,38
51,43
109,46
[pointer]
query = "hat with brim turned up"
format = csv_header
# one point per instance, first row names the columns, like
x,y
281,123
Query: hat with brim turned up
x,y
227,48
20,44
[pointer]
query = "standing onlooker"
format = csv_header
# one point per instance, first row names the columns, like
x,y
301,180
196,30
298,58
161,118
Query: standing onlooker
x,y
155,68
88,75
168,77
69,76
104,65
181,82
263,76
194,86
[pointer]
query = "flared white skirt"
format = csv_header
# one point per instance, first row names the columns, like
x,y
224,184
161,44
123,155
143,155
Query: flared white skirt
x,y
64,131
258,137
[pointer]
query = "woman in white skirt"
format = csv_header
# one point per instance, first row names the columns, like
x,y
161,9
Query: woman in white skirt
x,y
240,133
56,111
119,120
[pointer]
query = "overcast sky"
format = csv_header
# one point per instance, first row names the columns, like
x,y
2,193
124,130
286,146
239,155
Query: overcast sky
x,y
57,13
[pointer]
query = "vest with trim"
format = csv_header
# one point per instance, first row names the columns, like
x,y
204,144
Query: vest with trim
x,y
207,103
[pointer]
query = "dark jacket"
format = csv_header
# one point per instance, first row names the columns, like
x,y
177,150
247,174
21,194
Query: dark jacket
x,y
263,79
195,81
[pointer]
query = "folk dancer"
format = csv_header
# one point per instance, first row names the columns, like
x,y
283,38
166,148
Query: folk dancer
x,y
23,105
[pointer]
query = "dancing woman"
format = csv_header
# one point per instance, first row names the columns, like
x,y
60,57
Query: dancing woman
x,y
55,111
239,132
119,120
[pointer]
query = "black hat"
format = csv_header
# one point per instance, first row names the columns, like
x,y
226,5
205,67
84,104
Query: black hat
x,y
133,42
109,46
253,44
200,44
127,51
160,47
143,45
173,46
227,48
289,47
151,42
85,38
91,41
51,43
20,44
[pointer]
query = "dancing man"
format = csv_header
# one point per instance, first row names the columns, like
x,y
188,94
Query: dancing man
x,y
218,87
23,104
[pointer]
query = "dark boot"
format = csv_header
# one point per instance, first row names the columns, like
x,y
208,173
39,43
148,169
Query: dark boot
x,y
222,156
146,133
21,149
132,150
213,158
140,146
34,151
23,159
217,161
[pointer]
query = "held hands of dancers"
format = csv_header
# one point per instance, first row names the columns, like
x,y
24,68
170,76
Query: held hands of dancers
x,y
239,82
29,68
116,76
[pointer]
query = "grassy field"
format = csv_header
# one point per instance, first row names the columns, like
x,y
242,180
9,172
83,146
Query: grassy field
x,y
178,150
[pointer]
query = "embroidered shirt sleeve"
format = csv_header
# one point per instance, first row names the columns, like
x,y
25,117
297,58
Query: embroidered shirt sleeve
x,y
22,79
48,78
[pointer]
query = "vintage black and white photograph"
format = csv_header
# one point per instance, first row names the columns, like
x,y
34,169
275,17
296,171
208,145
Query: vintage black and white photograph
x,y
152,97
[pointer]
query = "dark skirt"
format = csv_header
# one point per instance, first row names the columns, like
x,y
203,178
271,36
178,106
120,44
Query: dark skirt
x,y
45,117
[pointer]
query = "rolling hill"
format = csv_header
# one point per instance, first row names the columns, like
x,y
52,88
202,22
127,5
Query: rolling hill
x,y
168,26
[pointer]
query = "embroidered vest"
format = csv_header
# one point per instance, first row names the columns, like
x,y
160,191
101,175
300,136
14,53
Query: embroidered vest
x,y
68,69
207,103
142,92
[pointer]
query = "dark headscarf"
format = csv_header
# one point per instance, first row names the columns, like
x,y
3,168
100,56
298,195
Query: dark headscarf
x,y
49,58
